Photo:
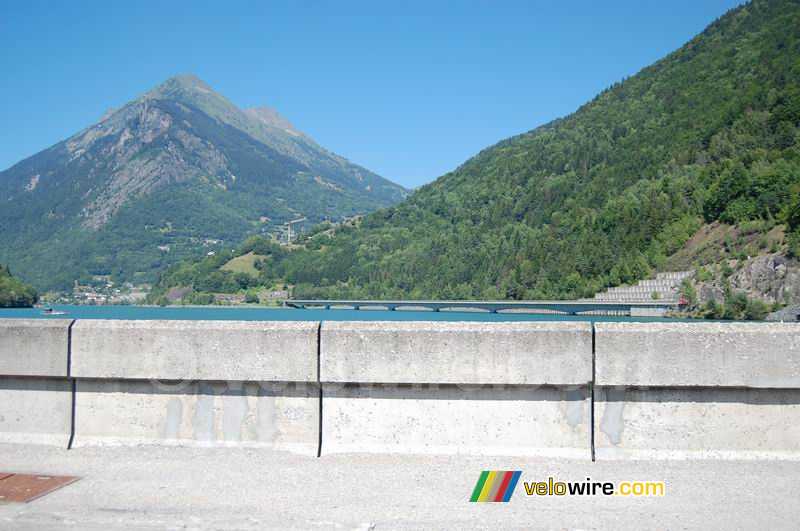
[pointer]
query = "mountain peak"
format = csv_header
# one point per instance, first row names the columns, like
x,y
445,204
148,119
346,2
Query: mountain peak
x,y
178,166
182,86
187,79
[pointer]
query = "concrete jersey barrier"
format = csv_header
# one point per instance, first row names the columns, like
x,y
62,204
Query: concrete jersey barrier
x,y
35,394
697,390
197,383
661,389
518,388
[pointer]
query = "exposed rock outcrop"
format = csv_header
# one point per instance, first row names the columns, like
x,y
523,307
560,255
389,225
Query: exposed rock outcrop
x,y
789,314
771,278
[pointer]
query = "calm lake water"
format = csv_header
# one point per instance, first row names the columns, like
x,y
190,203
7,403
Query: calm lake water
x,y
291,314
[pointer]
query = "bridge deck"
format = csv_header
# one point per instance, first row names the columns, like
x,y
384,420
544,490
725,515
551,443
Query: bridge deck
x,y
566,307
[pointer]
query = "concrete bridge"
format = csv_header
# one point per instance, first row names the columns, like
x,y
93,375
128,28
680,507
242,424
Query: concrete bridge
x,y
288,424
654,308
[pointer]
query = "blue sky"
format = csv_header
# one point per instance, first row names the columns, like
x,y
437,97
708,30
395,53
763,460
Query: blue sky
x,y
409,89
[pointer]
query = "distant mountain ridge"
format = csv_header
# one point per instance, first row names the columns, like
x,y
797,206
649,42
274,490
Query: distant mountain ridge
x,y
157,178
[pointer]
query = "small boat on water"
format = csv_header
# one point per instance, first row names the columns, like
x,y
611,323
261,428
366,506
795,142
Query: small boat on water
x,y
50,311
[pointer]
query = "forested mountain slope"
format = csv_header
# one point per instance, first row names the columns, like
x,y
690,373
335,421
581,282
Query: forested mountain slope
x,y
603,196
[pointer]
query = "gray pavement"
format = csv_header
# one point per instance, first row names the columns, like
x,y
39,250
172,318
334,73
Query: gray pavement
x,y
230,488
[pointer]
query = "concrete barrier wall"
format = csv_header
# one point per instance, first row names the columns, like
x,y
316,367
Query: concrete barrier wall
x,y
654,389
697,390
35,394
456,387
197,383
160,382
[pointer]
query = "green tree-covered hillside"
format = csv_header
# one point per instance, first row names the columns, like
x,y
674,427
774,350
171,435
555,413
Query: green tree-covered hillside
x,y
601,197
14,293
604,195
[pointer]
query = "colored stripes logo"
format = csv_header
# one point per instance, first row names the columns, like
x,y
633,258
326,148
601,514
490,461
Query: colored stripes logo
x,y
495,486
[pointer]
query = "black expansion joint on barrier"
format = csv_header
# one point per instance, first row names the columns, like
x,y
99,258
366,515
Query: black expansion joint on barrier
x,y
591,394
73,384
319,386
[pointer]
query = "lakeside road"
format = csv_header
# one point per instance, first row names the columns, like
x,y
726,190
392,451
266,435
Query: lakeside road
x,y
234,488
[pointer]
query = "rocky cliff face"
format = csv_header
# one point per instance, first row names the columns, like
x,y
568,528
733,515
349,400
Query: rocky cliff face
x,y
118,145
771,278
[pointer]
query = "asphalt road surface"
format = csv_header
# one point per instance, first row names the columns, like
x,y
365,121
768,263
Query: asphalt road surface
x,y
234,488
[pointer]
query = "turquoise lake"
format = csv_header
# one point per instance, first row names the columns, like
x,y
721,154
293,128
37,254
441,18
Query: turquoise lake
x,y
290,314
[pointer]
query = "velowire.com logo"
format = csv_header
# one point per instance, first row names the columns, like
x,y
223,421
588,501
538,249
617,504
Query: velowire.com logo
x,y
495,486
